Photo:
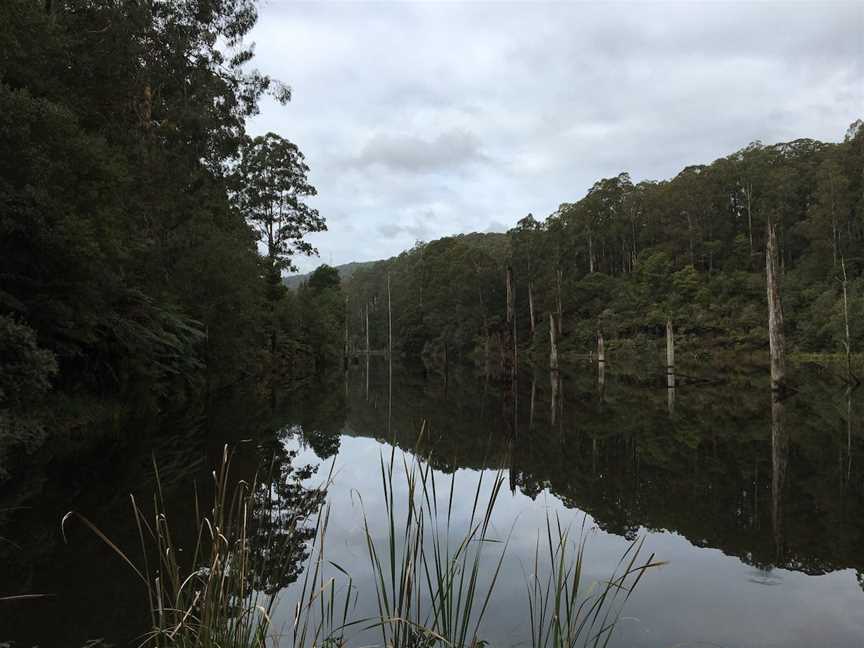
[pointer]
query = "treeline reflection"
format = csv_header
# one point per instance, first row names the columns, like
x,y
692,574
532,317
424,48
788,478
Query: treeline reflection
x,y
775,483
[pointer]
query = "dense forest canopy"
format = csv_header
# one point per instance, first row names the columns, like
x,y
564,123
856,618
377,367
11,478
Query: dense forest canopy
x,y
144,234
628,256
133,203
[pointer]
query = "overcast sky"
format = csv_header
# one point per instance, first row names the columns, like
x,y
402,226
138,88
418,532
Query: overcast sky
x,y
421,120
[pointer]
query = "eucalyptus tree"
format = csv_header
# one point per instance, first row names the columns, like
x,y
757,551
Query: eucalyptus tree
x,y
272,188
525,250
118,124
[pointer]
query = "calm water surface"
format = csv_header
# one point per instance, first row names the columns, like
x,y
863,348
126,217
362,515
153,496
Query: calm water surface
x,y
757,507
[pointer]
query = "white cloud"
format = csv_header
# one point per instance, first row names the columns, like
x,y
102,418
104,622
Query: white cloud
x,y
426,119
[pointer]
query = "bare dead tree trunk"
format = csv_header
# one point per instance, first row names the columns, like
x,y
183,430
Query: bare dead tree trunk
x,y
670,348
367,330
776,337
531,307
553,343
389,320
347,351
601,381
848,343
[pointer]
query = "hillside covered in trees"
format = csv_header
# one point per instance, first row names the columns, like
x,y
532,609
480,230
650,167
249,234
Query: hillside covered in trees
x,y
628,256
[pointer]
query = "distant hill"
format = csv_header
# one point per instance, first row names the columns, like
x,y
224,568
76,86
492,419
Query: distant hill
x,y
493,243
345,271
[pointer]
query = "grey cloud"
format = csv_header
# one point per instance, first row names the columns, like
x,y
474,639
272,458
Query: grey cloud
x,y
449,150
425,119
416,230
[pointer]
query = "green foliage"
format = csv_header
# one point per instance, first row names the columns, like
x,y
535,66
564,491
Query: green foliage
x,y
249,542
321,305
131,197
272,183
627,257
27,368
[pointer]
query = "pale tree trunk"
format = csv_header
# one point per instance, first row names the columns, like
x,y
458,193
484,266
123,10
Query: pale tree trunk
x,y
389,320
776,337
670,347
531,306
367,330
848,344
601,349
347,351
590,254
553,343
601,381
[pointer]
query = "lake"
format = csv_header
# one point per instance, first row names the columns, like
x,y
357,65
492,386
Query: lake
x,y
756,506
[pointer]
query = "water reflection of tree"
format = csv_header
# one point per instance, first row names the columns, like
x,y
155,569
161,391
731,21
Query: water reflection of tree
x,y
318,411
282,528
779,461
705,472
120,446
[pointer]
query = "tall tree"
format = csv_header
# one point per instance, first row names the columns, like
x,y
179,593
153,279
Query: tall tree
x,y
273,184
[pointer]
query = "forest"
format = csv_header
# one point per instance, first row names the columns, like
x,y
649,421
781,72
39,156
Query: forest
x,y
627,257
159,349
146,237
143,231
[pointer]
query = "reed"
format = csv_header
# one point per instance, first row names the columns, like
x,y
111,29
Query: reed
x,y
211,597
565,611
433,585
